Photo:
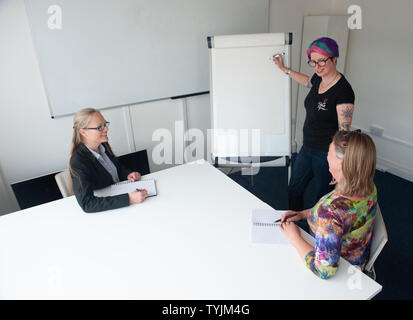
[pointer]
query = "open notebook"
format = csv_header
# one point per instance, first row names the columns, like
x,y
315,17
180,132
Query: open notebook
x,y
127,187
263,226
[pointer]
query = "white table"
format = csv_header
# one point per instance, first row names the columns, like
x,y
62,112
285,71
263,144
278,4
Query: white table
x,y
192,241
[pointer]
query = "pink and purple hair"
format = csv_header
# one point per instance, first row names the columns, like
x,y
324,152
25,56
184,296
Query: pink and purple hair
x,y
325,46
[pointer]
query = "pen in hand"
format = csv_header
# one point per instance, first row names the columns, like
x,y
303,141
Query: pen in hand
x,y
277,55
290,216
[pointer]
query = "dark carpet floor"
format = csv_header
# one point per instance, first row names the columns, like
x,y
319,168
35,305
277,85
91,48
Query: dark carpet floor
x,y
394,195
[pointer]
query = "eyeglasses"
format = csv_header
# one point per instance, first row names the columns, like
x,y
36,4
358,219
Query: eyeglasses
x,y
320,63
101,127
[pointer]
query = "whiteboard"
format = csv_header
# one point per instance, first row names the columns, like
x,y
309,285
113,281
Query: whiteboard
x,y
111,53
250,96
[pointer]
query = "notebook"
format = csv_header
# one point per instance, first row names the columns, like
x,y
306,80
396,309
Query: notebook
x,y
127,187
263,227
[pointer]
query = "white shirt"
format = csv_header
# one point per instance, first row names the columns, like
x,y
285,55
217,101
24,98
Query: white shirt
x,y
106,162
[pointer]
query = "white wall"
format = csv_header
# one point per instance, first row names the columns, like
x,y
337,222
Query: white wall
x,y
8,202
33,144
378,66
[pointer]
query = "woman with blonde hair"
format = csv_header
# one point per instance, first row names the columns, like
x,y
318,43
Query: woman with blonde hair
x,y
93,165
342,220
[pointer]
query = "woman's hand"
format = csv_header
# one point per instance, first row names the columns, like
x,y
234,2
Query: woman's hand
x,y
293,235
299,215
136,197
279,62
290,232
134,176
301,78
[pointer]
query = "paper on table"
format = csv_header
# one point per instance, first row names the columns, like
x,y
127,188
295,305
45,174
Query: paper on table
x,y
127,187
263,228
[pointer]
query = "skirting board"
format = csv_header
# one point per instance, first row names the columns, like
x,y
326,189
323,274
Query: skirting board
x,y
385,165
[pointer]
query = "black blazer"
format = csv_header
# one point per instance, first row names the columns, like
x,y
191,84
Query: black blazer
x,y
89,175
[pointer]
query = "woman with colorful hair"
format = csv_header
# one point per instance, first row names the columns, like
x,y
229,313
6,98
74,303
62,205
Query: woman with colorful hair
x,y
329,107
342,221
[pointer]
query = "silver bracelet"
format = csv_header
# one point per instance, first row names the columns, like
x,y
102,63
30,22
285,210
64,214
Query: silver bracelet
x,y
288,71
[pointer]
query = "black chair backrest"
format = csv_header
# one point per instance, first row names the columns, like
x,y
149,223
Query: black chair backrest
x,y
36,191
136,161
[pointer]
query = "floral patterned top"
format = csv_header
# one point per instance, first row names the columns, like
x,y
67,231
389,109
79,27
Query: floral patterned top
x,y
341,227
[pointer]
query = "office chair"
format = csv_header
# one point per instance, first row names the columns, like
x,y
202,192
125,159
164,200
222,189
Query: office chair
x,y
378,242
62,180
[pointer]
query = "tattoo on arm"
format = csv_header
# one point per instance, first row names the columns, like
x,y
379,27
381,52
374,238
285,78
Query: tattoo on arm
x,y
345,116
345,126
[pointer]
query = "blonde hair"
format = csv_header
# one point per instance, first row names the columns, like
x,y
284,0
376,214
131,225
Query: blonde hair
x,y
81,120
358,152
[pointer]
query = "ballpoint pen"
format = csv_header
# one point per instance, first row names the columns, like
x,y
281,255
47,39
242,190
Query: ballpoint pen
x,y
290,216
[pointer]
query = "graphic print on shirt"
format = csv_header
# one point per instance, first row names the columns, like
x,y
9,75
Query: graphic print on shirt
x,y
322,105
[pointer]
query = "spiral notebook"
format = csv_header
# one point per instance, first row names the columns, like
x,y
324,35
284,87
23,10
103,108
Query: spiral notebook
x,y
263,227
127,187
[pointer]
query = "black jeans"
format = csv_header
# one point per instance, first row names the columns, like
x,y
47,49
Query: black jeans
x,y
308,164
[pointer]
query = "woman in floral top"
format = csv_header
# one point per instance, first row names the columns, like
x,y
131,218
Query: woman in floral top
x,y
342,220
